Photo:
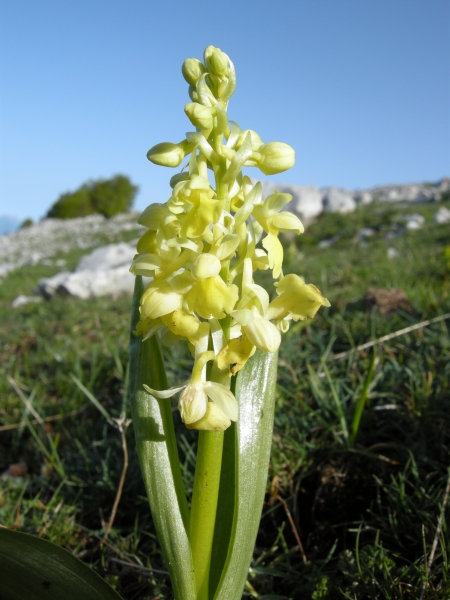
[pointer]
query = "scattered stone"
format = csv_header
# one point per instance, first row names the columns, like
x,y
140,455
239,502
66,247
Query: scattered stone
x,y
394,232
442,215
414,222
340,201
328,242
103,272
15,470
22,300
365,232
393,253
387,300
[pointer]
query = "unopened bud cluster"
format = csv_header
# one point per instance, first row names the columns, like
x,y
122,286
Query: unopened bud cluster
x,y
203,245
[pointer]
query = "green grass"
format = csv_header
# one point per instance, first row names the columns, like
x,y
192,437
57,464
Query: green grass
x,y
360,484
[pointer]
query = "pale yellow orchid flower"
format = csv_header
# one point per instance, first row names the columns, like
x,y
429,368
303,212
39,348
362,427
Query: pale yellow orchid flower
x,y
296,300
273,221
193,402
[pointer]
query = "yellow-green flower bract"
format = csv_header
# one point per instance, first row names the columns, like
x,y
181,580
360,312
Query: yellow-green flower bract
x,y
203,245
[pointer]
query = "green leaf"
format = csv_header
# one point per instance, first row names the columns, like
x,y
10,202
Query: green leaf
x,y
360,404
158,456
244,476
35,569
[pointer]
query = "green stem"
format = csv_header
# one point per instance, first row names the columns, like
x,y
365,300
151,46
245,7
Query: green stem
x,y
210,447
204,506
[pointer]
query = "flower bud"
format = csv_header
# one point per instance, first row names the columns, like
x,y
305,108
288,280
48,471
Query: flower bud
x,y
254,138
216,61
200,116
192,70
167,154
193,94
177,178
206,265
275,157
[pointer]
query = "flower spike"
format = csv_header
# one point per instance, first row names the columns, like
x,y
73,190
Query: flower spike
x,y
203,246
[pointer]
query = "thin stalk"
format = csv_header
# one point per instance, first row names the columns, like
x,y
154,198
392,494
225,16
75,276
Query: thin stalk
x,y
205,494
204,506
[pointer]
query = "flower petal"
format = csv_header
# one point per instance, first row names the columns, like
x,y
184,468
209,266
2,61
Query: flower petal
x,y
163,394
224,399
193,403
213,420
274,252
263,334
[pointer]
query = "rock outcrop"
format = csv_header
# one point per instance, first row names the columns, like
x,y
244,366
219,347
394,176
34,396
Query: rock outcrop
x,y
308,202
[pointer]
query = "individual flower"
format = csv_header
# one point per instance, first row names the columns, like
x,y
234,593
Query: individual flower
x,y
193,402
296,300
192,70
273,222
200,116
212,297
159,299
258,329
195,203
167,154
182,323
274,157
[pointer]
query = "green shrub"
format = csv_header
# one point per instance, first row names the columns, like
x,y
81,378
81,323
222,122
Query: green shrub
x,y
26,223
107,197
113,196
72,205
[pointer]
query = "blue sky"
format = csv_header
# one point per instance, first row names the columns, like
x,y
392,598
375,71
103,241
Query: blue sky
x,y
360,88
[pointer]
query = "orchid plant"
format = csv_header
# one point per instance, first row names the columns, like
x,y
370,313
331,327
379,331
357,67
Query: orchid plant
x,y
201,250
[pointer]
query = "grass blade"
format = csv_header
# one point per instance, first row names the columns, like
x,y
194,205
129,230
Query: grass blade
x,y
359,408
92,398
339,409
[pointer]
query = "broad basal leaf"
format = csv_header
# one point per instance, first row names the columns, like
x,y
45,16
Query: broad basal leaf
x,y
244,476
158,456
34,569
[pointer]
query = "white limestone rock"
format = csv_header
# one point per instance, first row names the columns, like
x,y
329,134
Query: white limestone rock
x,y
336,200
107,257
328,242
306,201
392,253
48,286
22,300
364,197
365,232
103,272
6,268
442,215
49,238
414,222
94,284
